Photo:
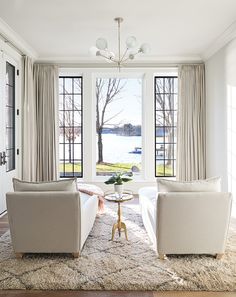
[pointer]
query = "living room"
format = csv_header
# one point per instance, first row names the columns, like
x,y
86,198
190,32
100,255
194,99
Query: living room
x,y
118,148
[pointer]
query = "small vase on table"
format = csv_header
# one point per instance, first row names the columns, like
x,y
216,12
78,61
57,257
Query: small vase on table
x,y
119,189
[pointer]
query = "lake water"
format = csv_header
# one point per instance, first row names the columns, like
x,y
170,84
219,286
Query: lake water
x,y
116,148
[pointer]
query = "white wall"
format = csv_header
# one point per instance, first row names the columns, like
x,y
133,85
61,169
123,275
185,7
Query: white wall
x,y
221,130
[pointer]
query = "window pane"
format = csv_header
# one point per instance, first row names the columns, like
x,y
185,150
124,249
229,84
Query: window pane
x,y
159,118
68,102
169,170
166,122
169,102
10,116
61,91
70,121
67,86
10,139
9,95
10,75
77,102
160,167
160,102
169,152
10,159
77,85
118,122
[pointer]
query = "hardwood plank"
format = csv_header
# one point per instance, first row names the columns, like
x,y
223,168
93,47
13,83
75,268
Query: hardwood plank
x,y
4,226
16,293
193,294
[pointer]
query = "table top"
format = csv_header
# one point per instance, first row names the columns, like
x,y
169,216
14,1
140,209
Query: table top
x,y
114,197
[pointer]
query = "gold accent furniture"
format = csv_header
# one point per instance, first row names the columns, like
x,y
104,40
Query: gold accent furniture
x,y
114,197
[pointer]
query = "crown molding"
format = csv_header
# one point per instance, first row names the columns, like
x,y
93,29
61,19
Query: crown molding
x,y
228,35
144,61
16,41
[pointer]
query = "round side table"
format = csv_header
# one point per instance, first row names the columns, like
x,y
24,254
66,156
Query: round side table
x,y
114,197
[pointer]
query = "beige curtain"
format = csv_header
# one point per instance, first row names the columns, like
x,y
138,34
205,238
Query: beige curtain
x,y
46,102
40,122
191,140
28,123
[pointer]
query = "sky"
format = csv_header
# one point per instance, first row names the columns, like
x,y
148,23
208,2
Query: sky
x,y
128,104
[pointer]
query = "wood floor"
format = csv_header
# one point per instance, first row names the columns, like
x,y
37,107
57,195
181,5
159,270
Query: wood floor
x,y
15,293
3,225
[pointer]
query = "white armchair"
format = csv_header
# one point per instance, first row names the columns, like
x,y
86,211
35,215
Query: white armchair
x,y
50,222
186,222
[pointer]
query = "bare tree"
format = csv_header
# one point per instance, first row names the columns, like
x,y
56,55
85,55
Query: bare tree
x,y
68,119
166,115
107,91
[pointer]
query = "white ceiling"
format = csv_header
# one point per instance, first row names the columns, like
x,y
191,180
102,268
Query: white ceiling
x,y
66,29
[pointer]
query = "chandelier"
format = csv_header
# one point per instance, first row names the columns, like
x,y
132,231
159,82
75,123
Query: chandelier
x,y
101,48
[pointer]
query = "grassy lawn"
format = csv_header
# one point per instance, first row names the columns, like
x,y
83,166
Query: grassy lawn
x,y
160,170
69,167
108,167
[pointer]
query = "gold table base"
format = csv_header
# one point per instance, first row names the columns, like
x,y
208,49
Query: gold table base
x,y
119,225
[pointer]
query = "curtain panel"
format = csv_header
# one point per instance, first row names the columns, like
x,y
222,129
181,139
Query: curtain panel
x,y
28,123
46,102
40,122
191,128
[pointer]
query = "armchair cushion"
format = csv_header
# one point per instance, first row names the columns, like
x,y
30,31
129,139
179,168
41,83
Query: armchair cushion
x,y
68,185
208,185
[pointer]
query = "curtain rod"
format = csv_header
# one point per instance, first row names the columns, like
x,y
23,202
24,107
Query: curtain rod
x,y
11,44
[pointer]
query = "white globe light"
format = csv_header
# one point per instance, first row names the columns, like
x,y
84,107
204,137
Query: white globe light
x,y
145,48
93,51
101,43
131,56
131,42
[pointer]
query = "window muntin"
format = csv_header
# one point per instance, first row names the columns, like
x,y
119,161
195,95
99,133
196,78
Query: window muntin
x,y
166,100
118,125
70,125
10,117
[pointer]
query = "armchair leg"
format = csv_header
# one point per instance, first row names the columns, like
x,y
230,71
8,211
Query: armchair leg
x,y
219,256
19,255
75,255
162,256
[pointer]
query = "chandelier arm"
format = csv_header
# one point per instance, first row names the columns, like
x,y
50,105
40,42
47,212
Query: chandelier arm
x,y
128,58
107,58
125,52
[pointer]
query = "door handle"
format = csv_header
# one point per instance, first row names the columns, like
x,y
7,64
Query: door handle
x,y
3,158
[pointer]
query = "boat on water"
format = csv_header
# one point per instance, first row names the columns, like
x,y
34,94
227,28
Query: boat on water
x,y
137,150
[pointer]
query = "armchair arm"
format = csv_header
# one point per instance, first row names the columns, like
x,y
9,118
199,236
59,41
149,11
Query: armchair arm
x,y
89,208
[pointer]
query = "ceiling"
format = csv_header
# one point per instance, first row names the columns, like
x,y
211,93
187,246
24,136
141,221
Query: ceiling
x,y
66,29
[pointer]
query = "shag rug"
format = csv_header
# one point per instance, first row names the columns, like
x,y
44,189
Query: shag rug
x,y
119,264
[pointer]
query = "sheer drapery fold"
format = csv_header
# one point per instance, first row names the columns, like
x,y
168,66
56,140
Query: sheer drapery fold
x,y
46,100
28,123
191,130
40,122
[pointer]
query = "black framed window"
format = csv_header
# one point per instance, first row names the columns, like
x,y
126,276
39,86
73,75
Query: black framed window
x,y
166,100
71,129
10,117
